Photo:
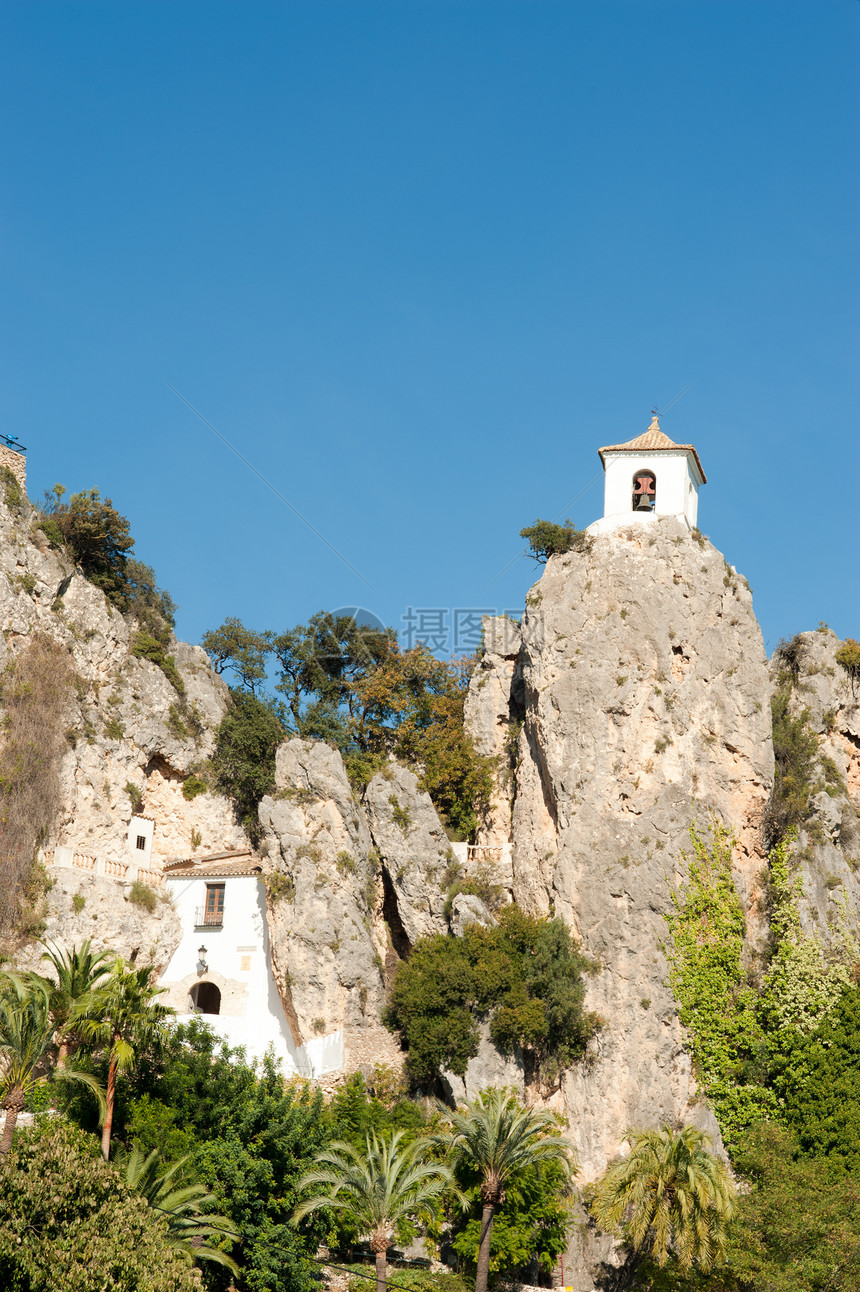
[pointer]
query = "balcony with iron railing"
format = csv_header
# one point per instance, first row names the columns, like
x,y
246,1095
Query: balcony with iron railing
x,y
206,919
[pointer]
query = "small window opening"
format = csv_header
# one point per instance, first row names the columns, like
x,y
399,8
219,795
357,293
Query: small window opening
x,y
644,490
141,842
206,998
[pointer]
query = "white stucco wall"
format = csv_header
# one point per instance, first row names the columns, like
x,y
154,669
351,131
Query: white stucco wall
x,y
140,825
677,479
239,964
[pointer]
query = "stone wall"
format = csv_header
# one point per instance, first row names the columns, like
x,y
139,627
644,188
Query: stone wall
x,y
17,464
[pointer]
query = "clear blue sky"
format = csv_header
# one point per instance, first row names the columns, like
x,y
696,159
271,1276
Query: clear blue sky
x,y
418,260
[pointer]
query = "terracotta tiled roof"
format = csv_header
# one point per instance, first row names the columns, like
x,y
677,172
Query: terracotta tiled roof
x,y
650,440
220,865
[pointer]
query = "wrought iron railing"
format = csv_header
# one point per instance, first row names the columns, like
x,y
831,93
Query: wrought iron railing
x,y
204,919
12,443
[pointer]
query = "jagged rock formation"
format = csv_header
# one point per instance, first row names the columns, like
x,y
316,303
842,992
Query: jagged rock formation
x,y
829,841
414,851
632,700
350,886
324,892
643,688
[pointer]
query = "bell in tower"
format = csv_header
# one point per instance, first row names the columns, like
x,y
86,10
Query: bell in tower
x,y
644,491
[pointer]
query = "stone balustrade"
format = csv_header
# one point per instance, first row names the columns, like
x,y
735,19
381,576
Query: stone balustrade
x,y
125,872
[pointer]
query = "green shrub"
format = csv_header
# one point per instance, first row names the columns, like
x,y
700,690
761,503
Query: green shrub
x,y
524,975
795,749
410,1280
192,786
142,896
135,794
12,490
68,1222
547,539
145,646
244,758
78,903
114,729
280,887
848,655
479,884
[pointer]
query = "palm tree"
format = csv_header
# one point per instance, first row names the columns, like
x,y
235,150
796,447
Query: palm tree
x,y
379,1189
26,1041
79,973
497,1136
188,1228
125,1019
669,1197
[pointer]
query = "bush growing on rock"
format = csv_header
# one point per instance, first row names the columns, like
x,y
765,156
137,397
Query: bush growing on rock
x,y
546,539
524,975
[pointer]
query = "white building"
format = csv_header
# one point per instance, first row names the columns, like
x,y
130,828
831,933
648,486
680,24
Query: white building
x,y
222,968
649,477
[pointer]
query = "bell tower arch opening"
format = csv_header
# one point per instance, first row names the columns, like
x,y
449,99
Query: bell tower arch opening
x,y
644,490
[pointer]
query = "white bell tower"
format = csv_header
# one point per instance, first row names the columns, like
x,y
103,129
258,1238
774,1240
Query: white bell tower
x,y
649,477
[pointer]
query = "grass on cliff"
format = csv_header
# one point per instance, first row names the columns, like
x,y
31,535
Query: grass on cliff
x,y
36,690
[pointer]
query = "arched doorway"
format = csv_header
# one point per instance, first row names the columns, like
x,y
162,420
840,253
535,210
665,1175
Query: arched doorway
x,y
206,998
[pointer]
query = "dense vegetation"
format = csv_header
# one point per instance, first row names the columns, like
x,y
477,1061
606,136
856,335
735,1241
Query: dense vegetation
x,y
777,1055
98,539
353,687
524,976
68,1223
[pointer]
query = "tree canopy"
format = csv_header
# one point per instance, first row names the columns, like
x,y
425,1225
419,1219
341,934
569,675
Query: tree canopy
x,y
351,686
546,539
68,1223
525,975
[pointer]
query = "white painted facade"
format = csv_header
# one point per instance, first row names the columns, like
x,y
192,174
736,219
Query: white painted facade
x,y
237,964
677,476
141,828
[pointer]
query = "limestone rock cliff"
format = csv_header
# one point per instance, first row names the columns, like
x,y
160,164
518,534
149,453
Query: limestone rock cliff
x,y
127,727
350,887
642,688
820,692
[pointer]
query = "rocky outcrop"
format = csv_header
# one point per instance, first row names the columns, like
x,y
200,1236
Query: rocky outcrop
x,y
494,714
80,906
828,847
414,852
325,894
351,886
645,706
132,737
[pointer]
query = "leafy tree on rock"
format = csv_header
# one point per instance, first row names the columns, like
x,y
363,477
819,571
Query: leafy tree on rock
x,y
669,1198
547,539
240,650
248,738
525,974
98,538
382,1189
501,1139
26,1043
